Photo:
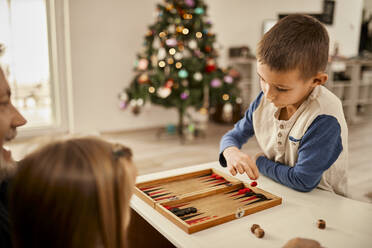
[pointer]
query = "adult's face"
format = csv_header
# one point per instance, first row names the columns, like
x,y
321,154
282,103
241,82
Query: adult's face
x,y
10,118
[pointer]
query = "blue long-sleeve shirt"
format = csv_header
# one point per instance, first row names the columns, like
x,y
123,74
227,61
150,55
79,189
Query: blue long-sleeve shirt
x,y
316,150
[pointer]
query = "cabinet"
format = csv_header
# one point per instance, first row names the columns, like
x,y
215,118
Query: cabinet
x,y
351,81
249,82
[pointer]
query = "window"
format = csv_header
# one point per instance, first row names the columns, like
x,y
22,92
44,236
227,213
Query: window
x,y
25,34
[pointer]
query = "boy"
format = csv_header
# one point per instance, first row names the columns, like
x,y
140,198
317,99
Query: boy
x,y
298,123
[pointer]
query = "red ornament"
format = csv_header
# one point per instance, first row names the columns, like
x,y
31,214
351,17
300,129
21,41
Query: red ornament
x,y
208,49
210,68
254,184
169,83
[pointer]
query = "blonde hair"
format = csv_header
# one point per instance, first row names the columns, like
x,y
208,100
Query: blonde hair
x,y
73,193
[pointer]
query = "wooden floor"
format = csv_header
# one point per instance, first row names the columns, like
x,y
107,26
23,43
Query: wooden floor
x,y
153,154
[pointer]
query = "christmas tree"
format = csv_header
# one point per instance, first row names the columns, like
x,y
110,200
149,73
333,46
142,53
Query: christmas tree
x,y
177,67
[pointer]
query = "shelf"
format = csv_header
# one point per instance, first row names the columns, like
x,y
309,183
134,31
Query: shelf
x,y
365,84
346,103
365,101
242,60
340,85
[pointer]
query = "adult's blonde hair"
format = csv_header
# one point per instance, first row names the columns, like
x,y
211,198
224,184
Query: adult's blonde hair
x,y
73,193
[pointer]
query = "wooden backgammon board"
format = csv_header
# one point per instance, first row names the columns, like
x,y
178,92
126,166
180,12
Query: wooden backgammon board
x,y
202,199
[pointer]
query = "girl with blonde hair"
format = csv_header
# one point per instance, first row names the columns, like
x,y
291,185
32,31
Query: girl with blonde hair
x,y
73,193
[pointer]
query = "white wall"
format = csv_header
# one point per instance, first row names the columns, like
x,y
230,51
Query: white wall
x,y
106,35
239,22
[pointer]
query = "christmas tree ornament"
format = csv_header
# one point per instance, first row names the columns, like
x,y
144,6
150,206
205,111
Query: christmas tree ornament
x,y
123,105
185,31
179,29
143,78
184,95
215,83
150,33
136,110
139,102
185,83
178,65
142,64
187,16
208,49
225,97
170,61
172,42
163,92
133,102
172,51
169,7
177,21
198,53
239,100
169,83
181,47
193,44
210,68
171,29
162,34
171,129
123,96
228,79
162,53
154,60
190,3
199,11
227,112
199,35
161,64
178,56
151,90
198,76
183,73
156,43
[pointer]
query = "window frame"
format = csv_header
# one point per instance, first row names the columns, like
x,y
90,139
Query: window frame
x,y
58,26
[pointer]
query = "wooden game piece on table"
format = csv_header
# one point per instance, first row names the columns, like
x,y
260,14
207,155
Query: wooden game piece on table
x,y
253,227
321,224
259,232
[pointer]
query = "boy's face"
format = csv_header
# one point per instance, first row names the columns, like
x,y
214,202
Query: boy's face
x,y
286,89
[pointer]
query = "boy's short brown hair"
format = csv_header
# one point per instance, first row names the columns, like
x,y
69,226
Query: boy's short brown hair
x,y
295,42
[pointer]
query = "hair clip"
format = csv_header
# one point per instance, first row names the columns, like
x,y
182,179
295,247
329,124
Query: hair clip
x,y
119,151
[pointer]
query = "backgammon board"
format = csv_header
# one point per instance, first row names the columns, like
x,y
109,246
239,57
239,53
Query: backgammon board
x,y
202,199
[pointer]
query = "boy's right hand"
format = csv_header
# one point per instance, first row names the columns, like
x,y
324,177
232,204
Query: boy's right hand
x,y
238,161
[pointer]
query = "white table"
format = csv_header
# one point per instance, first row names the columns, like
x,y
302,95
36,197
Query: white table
x,y
349,222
